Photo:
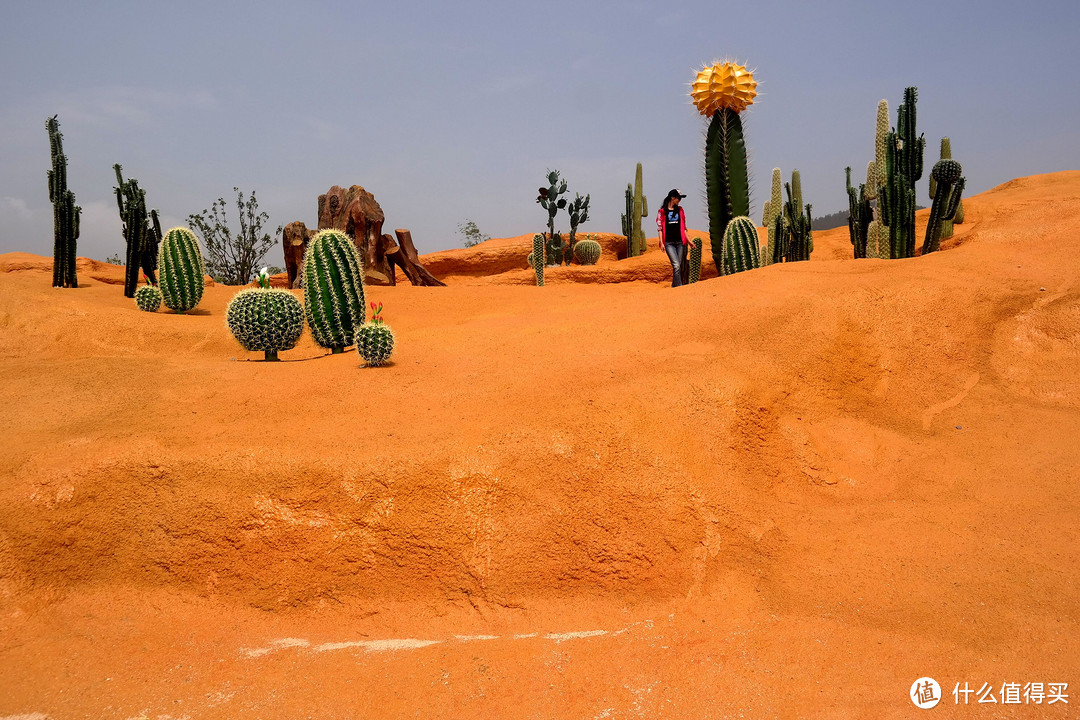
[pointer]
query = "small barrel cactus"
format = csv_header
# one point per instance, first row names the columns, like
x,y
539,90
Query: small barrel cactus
x,y
538,252
587,251
333,289
180,262
695,260
740,246
265,319
375,339
148,298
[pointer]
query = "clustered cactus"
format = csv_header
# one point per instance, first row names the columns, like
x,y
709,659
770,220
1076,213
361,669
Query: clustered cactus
x,y
375,339
65,211
333,289
141,237
265,319
587,252
903,168
180,262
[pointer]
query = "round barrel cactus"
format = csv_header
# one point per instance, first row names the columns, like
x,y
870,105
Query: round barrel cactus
x,y
180,263
333,289
265,319
740,246
148,298
587,252
375,339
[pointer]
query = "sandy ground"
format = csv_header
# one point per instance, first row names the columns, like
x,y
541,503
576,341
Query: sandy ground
x,y
787,493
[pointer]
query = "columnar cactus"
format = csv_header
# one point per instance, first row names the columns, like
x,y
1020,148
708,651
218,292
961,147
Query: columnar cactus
x,y
637,207
881,138
265,319
138,235
740,246
877,240
587,252
148,297
722,91
946,225
773,207
694,257
538,252
859,215
180,262
948,176
65,211
333,289
800,234
375,339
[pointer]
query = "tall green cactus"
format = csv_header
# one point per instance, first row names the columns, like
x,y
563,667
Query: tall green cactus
x,y
949,182
773,207
740,246
579,213
903,168
877,240
800,234
538,252
694,258
182,269
946,225
727,180
637,207
65,211
859,215
333,289
138,235
881,139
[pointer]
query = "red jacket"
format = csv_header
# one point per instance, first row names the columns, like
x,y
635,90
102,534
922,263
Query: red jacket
x,y
661,220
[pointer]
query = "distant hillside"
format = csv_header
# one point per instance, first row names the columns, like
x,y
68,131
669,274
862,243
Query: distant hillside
x,y
837,219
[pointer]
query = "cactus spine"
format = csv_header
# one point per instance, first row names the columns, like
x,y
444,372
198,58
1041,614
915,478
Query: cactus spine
x,y
265,319
138,234
538,252
694,258
181,264
950,185
740,246
587,251
333,289
65,211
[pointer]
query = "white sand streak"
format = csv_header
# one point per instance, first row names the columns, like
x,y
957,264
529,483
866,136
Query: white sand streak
x,y
563,637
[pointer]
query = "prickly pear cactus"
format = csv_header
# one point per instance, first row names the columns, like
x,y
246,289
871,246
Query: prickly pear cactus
x,y
587,252
264,319
148,298
375,339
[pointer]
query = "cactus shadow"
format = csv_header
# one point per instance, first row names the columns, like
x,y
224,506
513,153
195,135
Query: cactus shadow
x,y
198,312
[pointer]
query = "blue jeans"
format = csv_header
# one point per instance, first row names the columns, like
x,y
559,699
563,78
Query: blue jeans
x,y
676,253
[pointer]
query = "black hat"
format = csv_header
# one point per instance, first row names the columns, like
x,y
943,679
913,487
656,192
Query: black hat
x,y
675,194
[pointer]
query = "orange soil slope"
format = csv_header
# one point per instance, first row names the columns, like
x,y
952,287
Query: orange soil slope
x,y
785,493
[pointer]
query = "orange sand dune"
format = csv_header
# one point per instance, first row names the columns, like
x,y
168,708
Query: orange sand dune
x,y
785,493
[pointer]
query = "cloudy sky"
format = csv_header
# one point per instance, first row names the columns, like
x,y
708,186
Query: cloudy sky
x,y
449,111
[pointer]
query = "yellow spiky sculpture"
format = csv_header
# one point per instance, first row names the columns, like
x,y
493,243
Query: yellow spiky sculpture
x,y
720,92
723,85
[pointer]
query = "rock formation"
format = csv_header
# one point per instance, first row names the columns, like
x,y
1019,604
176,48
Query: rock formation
x,y
294,241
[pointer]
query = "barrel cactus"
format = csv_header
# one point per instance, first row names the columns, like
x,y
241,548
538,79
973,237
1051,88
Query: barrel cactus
x,y
375,339
180,263
333,289
265,319
695,259
148,298
587,251
740,246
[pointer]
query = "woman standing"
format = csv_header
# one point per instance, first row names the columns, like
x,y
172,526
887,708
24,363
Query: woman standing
x,y
671,225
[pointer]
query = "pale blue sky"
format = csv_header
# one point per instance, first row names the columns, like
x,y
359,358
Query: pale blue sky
x,y
448,111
